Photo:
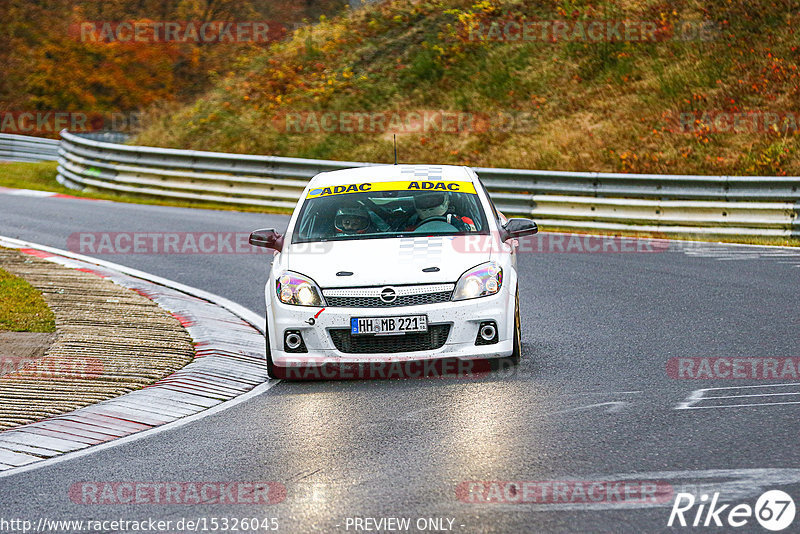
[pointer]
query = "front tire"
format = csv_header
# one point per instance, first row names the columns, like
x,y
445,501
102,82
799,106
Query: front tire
x,y
516,354
268,353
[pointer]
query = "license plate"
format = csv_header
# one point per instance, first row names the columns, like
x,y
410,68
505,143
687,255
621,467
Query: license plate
x,y
389,325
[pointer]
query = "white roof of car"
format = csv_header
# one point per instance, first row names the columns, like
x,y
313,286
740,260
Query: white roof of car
x,y
391,173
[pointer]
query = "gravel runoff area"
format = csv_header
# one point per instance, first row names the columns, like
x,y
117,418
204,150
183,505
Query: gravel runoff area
x,y
109,341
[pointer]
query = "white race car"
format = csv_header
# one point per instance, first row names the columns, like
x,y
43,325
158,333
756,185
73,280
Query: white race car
x,y
392,263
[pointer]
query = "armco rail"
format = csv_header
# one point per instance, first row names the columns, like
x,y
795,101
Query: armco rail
x,y
25,148
693,205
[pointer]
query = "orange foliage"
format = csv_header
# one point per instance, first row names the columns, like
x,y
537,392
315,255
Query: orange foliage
x,y
46,65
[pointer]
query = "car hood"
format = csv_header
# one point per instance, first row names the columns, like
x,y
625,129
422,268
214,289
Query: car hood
x,y
394,261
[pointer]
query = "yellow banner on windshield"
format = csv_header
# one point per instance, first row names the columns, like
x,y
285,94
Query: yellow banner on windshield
x,y
417,185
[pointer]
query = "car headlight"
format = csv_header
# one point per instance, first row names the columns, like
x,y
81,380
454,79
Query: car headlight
x,y
293,288
480,281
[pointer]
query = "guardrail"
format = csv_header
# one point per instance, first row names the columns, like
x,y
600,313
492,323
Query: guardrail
x,y
25,148
613,202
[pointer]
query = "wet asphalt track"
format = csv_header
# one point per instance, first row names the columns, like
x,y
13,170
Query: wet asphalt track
x,y
592,400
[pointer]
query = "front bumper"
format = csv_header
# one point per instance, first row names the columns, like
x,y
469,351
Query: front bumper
x,y
464,318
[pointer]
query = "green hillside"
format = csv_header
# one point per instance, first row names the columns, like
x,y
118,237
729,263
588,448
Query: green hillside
x,y
705,87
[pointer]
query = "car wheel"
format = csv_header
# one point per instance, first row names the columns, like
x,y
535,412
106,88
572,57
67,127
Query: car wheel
x,y
270,364
516,353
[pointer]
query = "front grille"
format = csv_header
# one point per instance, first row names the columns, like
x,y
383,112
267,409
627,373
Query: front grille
x,y
376,302
434,338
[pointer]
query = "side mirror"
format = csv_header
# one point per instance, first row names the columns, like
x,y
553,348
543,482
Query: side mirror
x,y
515,228
267,238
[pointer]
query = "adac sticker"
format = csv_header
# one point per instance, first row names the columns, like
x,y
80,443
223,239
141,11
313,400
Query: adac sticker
x,y
417,185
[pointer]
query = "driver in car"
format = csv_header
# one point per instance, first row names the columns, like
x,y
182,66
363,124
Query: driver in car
x,y
353,220
435,206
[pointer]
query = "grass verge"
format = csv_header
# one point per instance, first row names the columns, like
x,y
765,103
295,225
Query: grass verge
x,y
22,308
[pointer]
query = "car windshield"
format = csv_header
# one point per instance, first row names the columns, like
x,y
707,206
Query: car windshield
x,y
389,213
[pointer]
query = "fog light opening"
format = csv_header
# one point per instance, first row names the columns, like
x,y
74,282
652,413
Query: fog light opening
x,y
293,341
488,332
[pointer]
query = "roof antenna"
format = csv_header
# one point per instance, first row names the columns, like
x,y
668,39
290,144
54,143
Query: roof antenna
x,y
395,148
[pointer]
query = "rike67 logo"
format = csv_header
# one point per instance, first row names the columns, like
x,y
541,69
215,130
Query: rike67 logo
x,y
774,510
